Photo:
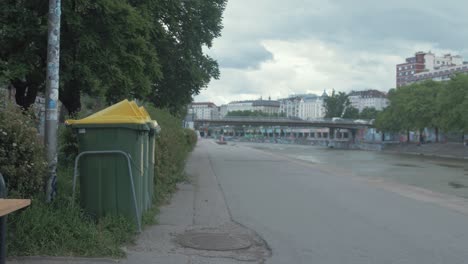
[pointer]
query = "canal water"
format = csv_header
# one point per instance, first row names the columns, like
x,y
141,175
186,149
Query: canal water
x,y
442,175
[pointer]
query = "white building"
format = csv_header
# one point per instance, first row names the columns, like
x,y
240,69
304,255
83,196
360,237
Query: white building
x,y
311,107
368,98
290,106
223,110
433,62
306,106
428,66
203,110
240,106
266,106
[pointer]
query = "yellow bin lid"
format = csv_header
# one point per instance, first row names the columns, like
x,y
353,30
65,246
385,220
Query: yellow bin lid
x,y
124,112
148,117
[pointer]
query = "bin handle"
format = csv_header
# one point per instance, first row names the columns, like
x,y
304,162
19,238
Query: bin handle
x,y
132,186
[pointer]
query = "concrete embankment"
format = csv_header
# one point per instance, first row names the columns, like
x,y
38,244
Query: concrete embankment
x,y
444,150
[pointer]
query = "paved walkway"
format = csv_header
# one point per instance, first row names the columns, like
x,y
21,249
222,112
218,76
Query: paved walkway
x,y
198,206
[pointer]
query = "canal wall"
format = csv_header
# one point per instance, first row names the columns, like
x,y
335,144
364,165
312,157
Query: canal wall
x,y
447,150
337,143
367,146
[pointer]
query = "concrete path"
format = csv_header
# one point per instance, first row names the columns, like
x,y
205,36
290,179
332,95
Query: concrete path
x,y
311,213
197,207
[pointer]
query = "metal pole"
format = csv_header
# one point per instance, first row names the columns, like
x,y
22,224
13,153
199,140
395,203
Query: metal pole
x,y
52,93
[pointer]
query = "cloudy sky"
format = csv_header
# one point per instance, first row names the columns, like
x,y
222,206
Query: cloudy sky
x,y
281,47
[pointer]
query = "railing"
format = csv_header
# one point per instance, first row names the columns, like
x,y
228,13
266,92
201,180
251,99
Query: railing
x,y
130,175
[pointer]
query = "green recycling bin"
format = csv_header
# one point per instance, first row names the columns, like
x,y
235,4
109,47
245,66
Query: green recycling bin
x,y
111,160
150,158
154,129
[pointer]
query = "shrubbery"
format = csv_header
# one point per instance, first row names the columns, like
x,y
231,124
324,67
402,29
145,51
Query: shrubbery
x,y
191,137
173,145
22,157
67,146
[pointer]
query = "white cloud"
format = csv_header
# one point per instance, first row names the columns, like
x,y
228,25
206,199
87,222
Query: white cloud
x,y
276,48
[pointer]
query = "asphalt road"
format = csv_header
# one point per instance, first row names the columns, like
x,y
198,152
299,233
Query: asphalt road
x,y
321,213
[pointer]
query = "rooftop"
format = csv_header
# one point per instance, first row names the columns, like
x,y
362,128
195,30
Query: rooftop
x,y
210,104
266,103
368,93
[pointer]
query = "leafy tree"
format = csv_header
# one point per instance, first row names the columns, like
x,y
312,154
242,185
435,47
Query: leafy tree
x,y
106,51
428,113
180,31
428,104
23,42
452,103
146,49
335,104
412,107
388,120
351,112
369,113
420,101
395,118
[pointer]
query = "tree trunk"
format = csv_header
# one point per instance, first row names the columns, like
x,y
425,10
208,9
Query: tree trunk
x,y
26,93
437,134
407,136
70,97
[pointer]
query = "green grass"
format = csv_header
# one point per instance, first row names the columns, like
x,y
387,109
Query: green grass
x,y
62,229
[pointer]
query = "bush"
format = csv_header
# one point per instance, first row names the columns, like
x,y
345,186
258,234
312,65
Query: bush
x,y
173,145
22,156
191,138
68,146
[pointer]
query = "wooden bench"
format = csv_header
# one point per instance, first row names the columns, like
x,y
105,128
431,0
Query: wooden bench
x,y
8,206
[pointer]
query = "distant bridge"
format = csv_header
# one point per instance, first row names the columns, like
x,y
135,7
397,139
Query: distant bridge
x,y
338,123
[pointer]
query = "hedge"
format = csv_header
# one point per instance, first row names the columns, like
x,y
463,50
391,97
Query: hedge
x,y
22,155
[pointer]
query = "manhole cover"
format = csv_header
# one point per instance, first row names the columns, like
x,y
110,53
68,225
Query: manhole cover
x,y
214,241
